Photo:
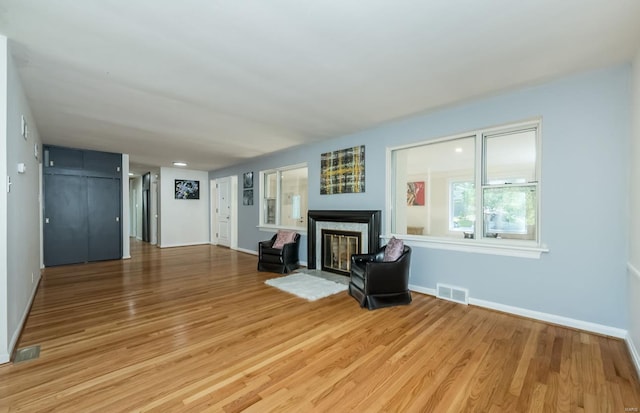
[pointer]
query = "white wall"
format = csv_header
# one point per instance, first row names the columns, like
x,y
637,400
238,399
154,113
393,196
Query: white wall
x,y
183,221
4,342
23,209
633,272
159,211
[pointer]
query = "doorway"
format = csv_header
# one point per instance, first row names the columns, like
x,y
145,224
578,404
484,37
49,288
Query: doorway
x,y
224,202
133,194
146,213
143,199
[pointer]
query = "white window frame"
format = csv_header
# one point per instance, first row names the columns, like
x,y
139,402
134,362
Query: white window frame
x,y
505,247
274,227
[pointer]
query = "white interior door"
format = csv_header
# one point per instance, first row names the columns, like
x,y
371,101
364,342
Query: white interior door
x,y
223,211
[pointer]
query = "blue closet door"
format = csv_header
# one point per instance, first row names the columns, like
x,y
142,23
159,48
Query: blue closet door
x,y
103,195
82,198
65,223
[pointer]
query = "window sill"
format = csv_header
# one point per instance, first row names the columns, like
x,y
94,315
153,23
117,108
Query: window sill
x,y
481,247
275,228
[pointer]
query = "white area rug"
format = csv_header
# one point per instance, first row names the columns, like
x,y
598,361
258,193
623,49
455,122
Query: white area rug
x,y
306,286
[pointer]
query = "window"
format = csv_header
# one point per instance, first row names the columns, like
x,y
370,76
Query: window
x,y
481,186
283,197
510,186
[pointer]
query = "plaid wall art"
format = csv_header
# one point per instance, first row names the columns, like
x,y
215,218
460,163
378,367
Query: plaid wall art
x,y
342,171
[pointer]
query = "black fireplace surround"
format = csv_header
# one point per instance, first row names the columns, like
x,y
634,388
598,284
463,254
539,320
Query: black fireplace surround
x,y
369,217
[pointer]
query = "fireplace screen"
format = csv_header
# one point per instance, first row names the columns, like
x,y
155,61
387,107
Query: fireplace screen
x,y
337,248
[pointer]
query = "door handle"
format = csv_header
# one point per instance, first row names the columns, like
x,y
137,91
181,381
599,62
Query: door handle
x,y
117,219
46,220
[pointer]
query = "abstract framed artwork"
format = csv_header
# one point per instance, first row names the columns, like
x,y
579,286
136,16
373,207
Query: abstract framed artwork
x,y
247,197
247,179
342,171
187,189
415,193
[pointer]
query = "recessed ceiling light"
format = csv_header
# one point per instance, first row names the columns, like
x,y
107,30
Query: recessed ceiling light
x,y
179,164
131,174
458,149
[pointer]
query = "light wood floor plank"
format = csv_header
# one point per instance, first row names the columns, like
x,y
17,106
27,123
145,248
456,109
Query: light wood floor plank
x,y
195,329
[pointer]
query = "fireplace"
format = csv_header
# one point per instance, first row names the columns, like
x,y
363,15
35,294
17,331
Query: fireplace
x,y
364,226
337,248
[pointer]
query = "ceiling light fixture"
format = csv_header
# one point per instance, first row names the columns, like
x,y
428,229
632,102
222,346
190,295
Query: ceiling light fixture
x,y
458,150
179,164
131,174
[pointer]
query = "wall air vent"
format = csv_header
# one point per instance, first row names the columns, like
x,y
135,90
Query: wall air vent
x,y
452,293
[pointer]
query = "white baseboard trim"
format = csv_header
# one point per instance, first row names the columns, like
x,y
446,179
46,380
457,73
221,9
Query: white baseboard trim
x,y
188,244
537,315
127,257
552,318
4,358
634,351
422,290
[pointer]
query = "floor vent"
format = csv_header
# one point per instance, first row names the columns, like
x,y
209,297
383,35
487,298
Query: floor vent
x,y
27,353
452,293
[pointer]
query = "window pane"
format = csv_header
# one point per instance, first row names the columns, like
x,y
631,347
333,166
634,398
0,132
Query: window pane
x,y
293,207
270,194
463,206
431,168
510,212
510,158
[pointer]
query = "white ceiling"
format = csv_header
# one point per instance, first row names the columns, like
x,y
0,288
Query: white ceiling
x,y
213,83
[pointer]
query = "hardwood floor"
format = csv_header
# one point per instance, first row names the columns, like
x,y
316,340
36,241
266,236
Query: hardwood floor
x,y
196,329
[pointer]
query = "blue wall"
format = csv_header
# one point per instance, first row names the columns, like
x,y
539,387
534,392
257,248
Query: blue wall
x,y
586,130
